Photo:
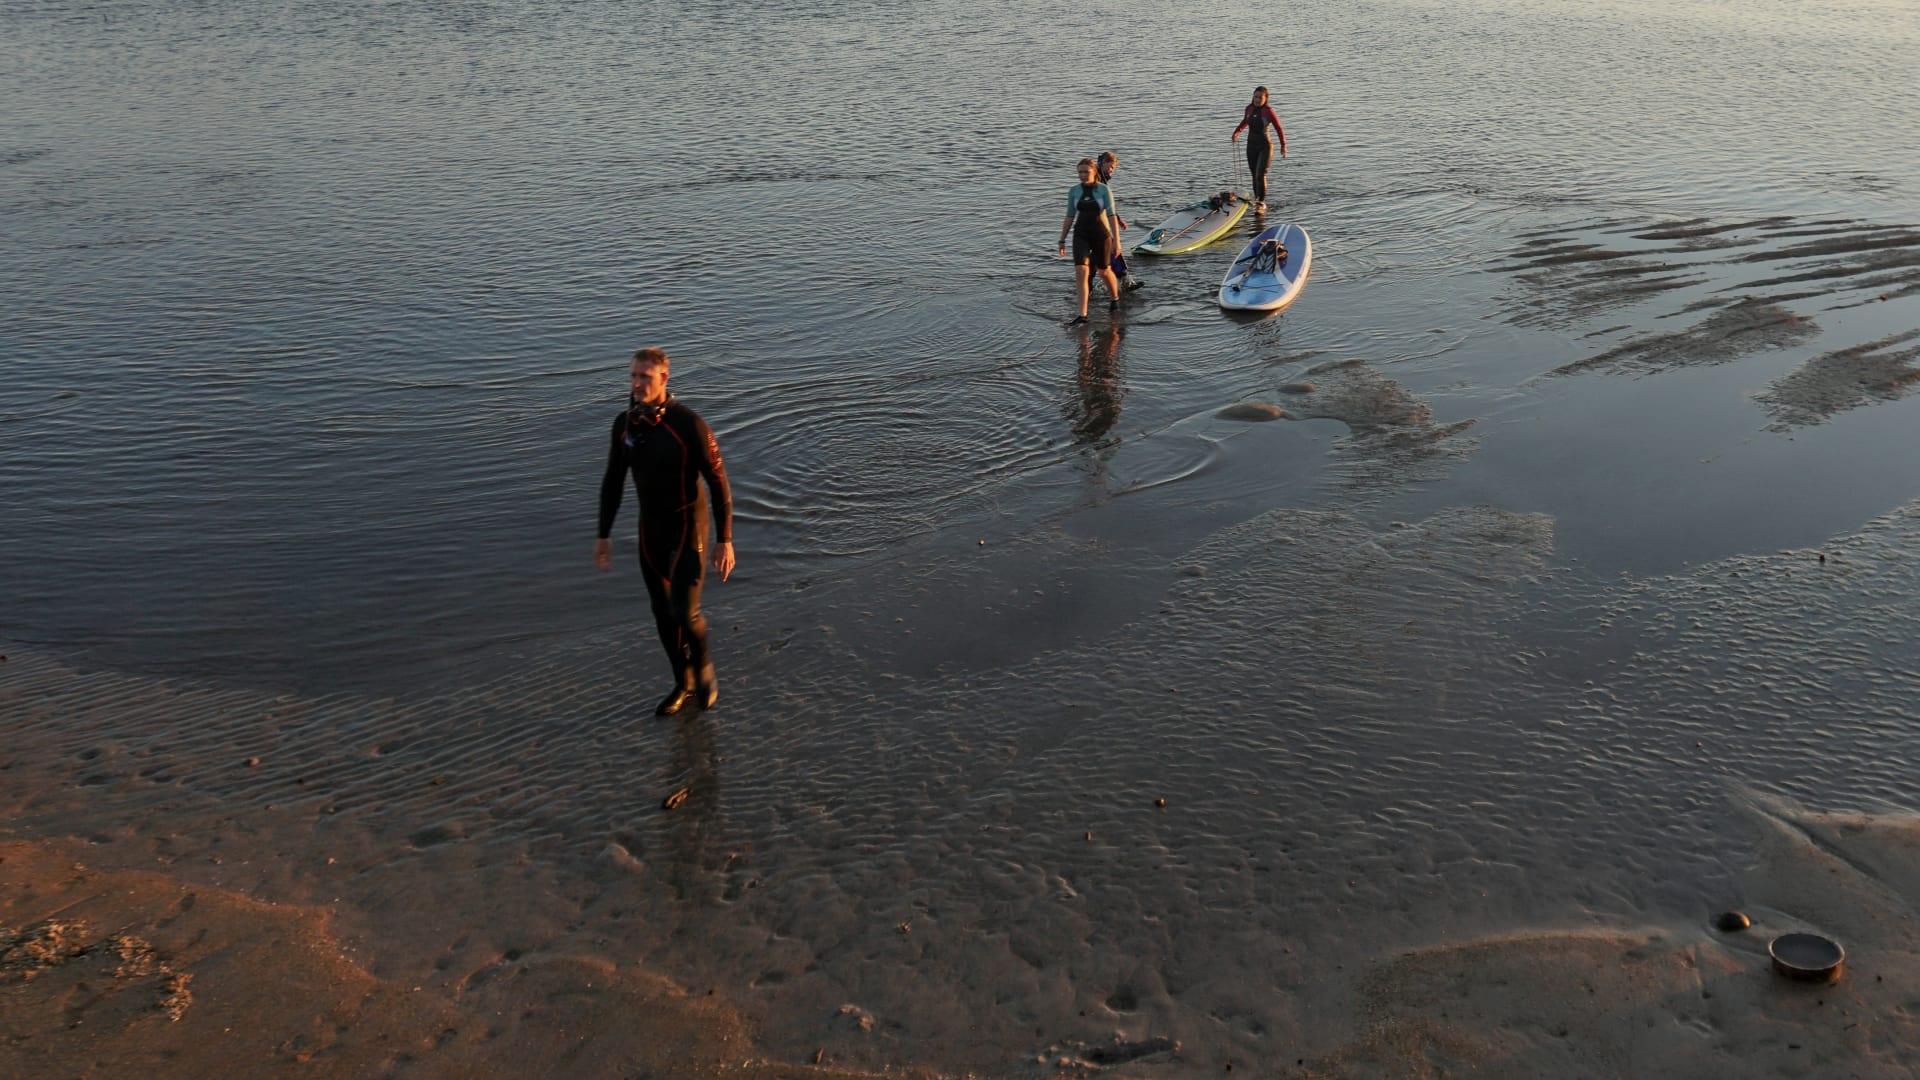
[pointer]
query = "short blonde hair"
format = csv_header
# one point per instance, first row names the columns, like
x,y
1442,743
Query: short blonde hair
x,y
651,355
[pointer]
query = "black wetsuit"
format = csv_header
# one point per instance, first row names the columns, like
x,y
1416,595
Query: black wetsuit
x,y
1259,156
1090,240
1259,151
669,449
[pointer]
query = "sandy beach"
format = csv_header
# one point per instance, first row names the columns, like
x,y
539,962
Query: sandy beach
x,y
417,888
123,972
108,969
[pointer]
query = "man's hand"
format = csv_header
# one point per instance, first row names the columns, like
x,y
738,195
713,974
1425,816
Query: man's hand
x,y
603,553
723,560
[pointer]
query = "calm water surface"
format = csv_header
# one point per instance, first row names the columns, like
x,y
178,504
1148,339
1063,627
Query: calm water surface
x,y
315,312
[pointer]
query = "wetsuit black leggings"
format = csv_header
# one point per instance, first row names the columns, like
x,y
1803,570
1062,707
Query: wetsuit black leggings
x,y
673,561
669,451
1259,156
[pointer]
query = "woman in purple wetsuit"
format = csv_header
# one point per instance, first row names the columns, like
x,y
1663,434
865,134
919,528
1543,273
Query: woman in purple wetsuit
x,y
1259,151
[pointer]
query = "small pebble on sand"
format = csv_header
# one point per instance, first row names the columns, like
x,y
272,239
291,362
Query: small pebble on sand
x,y
1160,803
1731,922
861,1017
1296,388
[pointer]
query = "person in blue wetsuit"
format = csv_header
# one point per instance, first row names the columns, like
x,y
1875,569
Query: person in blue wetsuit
x,y
669,450
1090,222
1254,121
1105,164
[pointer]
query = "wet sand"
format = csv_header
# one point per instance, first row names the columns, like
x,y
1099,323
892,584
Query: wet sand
x,y
1515,882
1677,999
1883,370
121,972
125,972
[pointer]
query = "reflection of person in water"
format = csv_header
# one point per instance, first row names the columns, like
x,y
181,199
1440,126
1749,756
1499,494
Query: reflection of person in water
x,y
693,845
1096,408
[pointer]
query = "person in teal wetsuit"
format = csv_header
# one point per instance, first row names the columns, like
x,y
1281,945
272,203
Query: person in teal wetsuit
x,y
1091,224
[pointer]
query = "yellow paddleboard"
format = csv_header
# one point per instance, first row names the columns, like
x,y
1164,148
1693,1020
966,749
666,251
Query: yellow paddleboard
x,y
1195,226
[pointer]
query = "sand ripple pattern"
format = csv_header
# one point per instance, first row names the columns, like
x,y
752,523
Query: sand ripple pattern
x,y
1834,382
1369,756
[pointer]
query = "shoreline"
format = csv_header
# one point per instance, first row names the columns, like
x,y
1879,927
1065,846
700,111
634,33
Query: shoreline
x,y
420,841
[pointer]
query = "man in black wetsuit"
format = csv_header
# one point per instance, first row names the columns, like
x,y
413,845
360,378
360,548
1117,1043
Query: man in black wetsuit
x,y
669,449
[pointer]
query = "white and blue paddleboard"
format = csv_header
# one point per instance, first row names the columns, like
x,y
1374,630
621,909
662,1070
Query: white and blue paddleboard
x,y
1269,272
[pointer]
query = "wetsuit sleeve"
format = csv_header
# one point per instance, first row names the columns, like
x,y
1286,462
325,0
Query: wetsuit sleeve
x,y
1073,199
1246,117
714,468
1105,196
615,480
1277,130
